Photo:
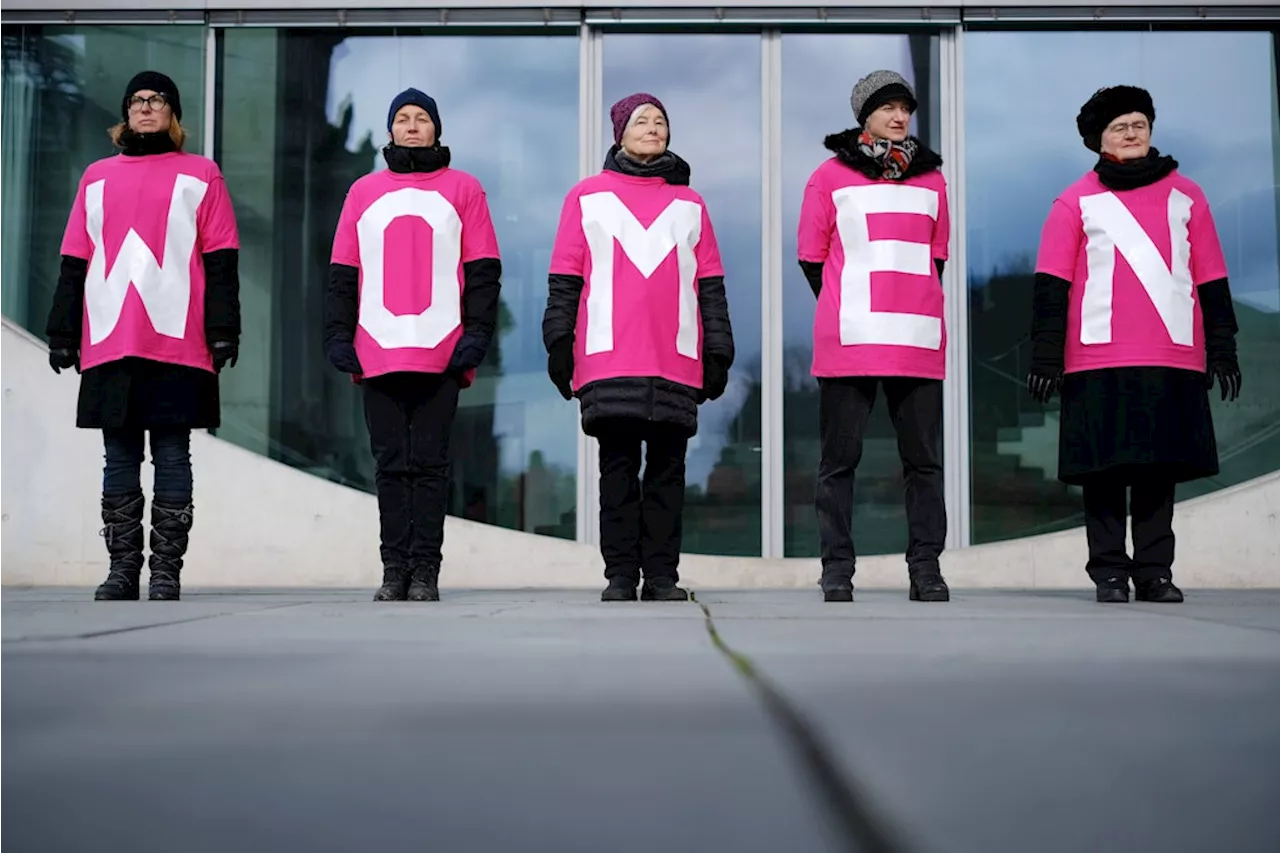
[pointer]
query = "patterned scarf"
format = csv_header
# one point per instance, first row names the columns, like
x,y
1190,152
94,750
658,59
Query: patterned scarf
x,y
895,157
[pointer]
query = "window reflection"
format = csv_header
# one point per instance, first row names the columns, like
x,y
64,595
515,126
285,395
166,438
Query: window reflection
x,y
817,79
509,110
711,86
1024,90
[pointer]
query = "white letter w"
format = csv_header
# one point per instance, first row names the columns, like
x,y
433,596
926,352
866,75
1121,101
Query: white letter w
x,y
165,288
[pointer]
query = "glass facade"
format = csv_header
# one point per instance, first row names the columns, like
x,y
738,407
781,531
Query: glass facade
x,y
299,113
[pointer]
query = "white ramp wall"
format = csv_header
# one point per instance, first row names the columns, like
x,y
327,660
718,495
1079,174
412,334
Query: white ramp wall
x,y
261,523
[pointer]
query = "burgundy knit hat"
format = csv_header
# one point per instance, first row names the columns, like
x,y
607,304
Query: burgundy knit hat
x,y
621,112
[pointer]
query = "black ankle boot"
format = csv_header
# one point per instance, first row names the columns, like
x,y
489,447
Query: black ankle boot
x,y
395,584
1113,590
1158,591
619,589
122,530
423,584
929,586
662,589
170,526
838,593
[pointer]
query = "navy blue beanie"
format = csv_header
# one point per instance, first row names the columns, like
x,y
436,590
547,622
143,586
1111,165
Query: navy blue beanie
x,y
417,99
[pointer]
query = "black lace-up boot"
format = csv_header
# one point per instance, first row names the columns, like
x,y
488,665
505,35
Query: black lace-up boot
x,y
423,584
170,526
395,584
122,530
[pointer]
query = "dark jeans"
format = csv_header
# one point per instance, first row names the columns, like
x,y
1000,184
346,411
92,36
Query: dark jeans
x,y
170,454
641,521
410,416
1105,517
915,405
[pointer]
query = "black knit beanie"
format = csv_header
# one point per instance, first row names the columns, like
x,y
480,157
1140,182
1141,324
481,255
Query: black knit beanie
x,y
1105,106
156,82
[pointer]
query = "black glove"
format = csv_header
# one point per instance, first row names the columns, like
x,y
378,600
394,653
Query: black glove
x,y
225,354
63,357
1227,371
467,355
560,366
715,378
342,355
1043,384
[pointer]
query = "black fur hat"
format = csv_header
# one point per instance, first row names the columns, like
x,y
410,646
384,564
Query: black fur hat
x,y
1106,104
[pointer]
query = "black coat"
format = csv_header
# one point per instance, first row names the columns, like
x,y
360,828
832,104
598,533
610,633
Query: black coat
x,y
645,398
138,393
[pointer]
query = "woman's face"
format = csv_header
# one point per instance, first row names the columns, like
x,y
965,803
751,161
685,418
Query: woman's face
x,y
646,137
149,112
413,128
890,121
1128,137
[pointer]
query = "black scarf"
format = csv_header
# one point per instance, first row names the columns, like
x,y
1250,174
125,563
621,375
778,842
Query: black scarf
x,y
668,166
1132,174
133,144
402,159
880,164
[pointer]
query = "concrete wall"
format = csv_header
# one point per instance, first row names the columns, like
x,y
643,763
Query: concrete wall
x,y
261,523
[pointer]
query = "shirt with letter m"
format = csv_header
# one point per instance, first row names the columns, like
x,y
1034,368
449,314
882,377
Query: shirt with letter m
x,y
880,308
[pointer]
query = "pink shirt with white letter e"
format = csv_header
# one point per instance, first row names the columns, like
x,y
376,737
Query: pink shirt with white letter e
x,y
640,245
144,224
880,309
409,233
1134,260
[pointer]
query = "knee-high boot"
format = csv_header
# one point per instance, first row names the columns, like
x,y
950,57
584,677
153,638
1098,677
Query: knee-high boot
x,y
122,530
170,526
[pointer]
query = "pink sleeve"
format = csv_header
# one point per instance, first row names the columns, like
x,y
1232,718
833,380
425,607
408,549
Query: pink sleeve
x,y
817,219
478,238
1060,242
216,219
1207,261
569,255
942,227
346,243
709,264
75,240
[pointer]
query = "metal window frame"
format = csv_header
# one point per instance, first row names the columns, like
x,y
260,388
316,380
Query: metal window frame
x,y
590,153
772,425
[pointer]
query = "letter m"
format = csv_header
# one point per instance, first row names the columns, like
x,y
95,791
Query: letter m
x,y
605,219
1109,228
165,287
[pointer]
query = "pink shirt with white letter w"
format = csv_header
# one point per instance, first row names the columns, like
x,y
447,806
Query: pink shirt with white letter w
x,y
409,233
144,225
880,309
1134,259
640,245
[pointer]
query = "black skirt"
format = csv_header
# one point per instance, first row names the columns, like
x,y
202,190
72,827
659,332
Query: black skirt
x,y
137,393
1136,423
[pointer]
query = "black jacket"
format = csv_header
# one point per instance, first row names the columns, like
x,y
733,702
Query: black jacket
x,y
139,393
646,398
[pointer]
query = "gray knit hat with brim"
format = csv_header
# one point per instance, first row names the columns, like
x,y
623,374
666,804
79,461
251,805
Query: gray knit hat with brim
x,y
879,88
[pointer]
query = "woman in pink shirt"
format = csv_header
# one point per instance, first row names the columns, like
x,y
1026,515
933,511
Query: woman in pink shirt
x,y
872,242
147,309
637,328
1133,323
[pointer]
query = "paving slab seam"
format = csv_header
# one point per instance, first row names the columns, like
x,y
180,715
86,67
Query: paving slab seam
x,y
847,805
91,635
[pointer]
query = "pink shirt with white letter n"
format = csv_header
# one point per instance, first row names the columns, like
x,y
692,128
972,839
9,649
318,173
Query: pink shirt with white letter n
x,y
880,308
641,245
1134,259
144,225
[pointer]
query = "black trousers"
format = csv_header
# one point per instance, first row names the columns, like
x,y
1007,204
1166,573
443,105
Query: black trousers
x,y
641,521
844,406
410,416
1105,517
170,454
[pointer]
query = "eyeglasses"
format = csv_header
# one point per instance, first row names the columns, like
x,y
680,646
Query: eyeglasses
x,y
156,102
1138,127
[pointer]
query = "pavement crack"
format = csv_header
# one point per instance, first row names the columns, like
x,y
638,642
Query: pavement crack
x,y
848,806
108,632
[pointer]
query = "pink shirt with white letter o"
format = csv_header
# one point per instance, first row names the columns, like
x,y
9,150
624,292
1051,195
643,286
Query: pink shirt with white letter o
x,y
409,233
144,225
880,310
640,245
1134,259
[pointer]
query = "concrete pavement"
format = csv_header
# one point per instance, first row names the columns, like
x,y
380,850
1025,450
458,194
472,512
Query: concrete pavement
x,y
545,720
